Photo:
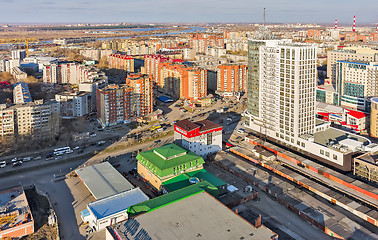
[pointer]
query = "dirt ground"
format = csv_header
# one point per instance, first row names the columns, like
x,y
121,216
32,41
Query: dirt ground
x,y
40,208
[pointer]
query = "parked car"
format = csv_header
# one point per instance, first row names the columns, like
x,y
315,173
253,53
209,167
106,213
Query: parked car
x,y
27,159
37,157
76,148
14,160
3,164
100,143
16,164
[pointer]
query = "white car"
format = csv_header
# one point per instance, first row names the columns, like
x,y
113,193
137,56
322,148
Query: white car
x,y
3,164
14,160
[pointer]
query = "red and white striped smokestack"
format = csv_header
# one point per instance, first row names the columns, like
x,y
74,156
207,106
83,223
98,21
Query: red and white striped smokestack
x,y
354,23
335,24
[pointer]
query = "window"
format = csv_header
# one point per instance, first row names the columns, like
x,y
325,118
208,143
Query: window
x,y
334,156
327,154
321,151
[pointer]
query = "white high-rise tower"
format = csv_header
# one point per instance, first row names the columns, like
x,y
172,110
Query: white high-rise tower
x,y
281,89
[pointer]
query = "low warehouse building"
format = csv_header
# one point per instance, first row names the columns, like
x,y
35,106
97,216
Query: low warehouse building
x,y
198,216
111,210
103,180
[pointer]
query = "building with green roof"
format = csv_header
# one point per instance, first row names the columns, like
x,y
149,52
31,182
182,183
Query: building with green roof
x,y
166,162
187,179
172,197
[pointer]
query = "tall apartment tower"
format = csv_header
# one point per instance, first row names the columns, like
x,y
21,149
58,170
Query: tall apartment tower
x,y
281,89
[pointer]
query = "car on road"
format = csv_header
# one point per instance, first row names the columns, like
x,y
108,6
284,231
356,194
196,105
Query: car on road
x,y
76,148
100,143
49,155
241,131
92,134
17,164
27,159
3,164
37,157
14,160
58,157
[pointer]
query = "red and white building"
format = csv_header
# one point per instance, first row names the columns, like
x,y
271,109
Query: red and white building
x,y
352,119
202,137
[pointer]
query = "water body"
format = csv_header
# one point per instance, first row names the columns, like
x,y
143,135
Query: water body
x,y
191,30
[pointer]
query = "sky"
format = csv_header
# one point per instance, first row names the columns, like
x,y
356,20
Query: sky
x,y
188,11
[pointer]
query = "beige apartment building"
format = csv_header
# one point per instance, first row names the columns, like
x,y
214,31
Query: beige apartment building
x,y
348,53
6,121
38,119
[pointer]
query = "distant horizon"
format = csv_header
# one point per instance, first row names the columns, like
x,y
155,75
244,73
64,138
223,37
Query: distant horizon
x,y
343,25
195,11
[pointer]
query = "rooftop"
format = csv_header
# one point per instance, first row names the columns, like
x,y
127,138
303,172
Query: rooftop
x,y
117,203
171,197
204,125
334,135
14,208
103,180
184,180
328,107
207,125
329,87
186,125
196,216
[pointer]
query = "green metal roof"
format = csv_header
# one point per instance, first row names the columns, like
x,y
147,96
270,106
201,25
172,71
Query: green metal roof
x,y
170,150
172,197
183,180
162,160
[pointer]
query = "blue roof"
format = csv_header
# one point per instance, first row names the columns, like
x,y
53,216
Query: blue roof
x,y
165,99
117,203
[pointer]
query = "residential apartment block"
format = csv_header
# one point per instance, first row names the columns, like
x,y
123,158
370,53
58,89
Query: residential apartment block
x,y
7,124
121,62
125,103
38,119
143,93
21,93
231,78
200,42
281,103
71,73
73,105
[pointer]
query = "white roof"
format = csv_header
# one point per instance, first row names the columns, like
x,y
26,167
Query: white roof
x,y
103,180
350,143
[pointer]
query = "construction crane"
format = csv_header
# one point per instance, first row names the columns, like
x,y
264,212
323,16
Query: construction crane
x,y
20,40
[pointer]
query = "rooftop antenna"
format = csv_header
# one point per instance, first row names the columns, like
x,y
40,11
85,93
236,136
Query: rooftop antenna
x,y
264,17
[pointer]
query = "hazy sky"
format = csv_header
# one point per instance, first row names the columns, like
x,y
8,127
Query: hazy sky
x,y
278,11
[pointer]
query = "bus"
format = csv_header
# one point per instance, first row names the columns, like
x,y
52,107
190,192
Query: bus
x,y
61,151
155,127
